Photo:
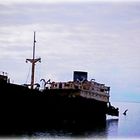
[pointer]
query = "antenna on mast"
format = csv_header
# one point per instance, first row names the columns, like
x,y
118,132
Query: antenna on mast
x,y
33,61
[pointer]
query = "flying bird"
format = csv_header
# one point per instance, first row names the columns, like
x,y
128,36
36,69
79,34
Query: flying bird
x,y
124,113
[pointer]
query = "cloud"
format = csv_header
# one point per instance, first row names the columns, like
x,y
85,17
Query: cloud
x,y
101,38
7,2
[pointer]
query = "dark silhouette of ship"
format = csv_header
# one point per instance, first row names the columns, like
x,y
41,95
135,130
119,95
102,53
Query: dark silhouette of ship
x,y
26,107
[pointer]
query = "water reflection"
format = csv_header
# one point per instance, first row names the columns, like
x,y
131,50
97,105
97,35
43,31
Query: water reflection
x,y
82,130
112,127
73,129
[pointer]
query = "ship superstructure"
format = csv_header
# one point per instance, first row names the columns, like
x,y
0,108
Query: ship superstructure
x,y
88,89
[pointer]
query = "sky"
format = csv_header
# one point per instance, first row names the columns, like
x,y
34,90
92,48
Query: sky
x,y
101,37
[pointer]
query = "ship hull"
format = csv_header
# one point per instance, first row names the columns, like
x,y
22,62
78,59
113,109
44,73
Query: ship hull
x,y
23,109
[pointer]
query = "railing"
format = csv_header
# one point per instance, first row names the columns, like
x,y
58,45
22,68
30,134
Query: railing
x,y
83,86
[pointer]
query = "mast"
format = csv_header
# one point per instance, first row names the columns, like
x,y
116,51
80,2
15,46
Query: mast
x,y
33,61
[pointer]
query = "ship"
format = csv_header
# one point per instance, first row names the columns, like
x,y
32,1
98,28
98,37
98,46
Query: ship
x,y
27,106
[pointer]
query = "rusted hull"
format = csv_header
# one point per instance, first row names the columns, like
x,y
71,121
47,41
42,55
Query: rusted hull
x,y
25,109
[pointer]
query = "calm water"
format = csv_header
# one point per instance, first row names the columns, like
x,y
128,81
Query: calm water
x,y
126,126
116,127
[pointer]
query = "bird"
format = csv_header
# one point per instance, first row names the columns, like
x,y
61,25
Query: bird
x,y
124,113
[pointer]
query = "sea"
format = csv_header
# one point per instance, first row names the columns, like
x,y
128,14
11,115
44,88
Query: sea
x,y
122,127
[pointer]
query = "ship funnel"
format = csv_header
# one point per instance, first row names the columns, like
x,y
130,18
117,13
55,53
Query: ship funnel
x,y
80,76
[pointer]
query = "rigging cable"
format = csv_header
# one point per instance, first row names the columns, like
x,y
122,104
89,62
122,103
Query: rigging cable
x,y
28,75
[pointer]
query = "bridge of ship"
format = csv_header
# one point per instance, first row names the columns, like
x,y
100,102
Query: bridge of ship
x,y
88,89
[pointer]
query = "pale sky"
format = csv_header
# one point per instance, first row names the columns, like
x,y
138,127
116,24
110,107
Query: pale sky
x,y
102,38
